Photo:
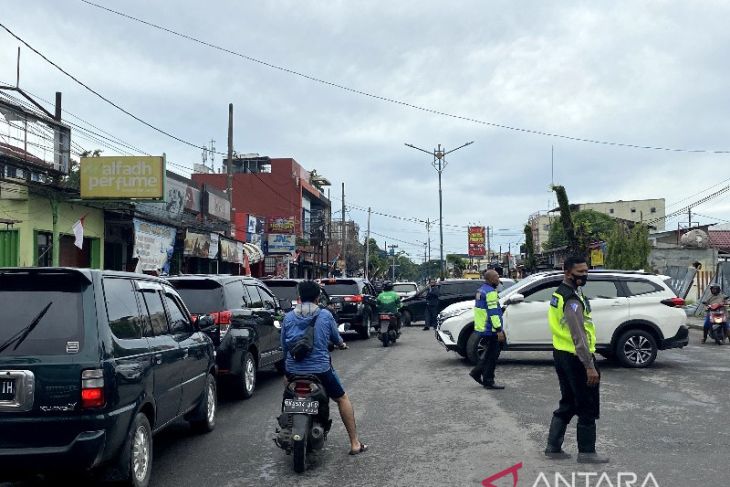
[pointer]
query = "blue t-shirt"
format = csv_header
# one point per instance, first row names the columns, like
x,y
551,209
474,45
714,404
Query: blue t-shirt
x,y
325,331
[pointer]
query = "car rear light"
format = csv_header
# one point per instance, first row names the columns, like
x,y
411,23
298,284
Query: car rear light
x,y
354,299
385,317
92,389
674,302
222,320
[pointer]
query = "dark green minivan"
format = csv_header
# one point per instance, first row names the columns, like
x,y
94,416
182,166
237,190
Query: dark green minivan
x,y
92,364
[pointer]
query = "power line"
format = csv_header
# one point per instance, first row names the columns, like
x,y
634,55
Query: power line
x,y
393,100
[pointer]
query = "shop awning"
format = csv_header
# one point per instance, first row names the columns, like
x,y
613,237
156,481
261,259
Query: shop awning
x,y
254,253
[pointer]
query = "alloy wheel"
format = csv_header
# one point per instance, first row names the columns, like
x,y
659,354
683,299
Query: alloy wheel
x,y
638,350
141,453
250,375
211,405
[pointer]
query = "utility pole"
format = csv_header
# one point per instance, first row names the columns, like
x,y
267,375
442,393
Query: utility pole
x,y
344,234
489,249
689,214
230,160
439,163
393,266
428,232
56,249
367,248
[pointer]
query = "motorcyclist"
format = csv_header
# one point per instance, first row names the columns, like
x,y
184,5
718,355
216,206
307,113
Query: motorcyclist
x,y
716,297
389,301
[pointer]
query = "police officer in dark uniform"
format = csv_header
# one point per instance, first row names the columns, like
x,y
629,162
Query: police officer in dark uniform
x,y
574,343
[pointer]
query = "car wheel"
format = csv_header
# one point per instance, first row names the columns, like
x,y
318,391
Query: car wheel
x,y
407,318
366,329
136,455
636,349
474,348
246,380
203,421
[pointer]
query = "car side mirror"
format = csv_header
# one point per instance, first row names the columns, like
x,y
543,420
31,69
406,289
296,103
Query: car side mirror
x,y
205,323
516,299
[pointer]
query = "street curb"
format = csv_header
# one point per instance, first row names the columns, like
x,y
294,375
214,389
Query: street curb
x,y
692,326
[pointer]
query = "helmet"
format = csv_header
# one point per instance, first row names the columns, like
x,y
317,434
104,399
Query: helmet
x,y
715,286
387,286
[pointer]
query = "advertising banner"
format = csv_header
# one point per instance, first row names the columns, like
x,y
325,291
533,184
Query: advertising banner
x,y
282,244
202,245
217,206
153,245
251,224
231,251
282,225
476,242
122,177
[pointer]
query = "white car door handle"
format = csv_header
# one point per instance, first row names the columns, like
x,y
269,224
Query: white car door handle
x,y
617,303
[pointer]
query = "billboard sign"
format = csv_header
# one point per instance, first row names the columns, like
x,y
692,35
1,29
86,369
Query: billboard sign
x,y
282,225
151,244
231,251
217,205
123,177
282,243
476,242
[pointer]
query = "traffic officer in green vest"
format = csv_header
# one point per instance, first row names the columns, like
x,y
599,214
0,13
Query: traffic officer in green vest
x,y
574,343
488,323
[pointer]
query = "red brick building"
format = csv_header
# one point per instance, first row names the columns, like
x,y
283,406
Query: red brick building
x,y
273,188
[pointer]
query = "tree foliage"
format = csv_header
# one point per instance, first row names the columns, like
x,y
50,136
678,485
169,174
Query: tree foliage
x,y
628,248
566,218
589,226
530,262
459,264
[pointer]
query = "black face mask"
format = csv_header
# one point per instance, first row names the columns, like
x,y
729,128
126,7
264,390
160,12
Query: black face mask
x,y
579,281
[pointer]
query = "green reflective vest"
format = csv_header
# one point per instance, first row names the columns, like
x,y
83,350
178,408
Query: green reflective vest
x,y
486,308
562,339
388,302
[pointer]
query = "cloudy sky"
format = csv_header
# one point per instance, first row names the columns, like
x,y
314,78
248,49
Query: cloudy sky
x,y
644,73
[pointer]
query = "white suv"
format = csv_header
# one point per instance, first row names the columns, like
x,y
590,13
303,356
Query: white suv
x,y
635,313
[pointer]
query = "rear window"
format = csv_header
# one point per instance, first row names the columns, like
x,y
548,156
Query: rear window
x,y
286,292
201,296
342,288
405,288
639,287
23,298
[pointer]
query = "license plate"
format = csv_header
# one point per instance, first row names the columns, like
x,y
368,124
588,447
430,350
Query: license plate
x,y
7,389
294,406
338,305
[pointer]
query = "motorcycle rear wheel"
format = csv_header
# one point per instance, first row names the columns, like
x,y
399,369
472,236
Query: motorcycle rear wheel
x,y
299,452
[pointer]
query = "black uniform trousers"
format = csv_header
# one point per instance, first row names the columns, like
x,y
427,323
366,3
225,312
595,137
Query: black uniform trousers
x,y
577,398
488,360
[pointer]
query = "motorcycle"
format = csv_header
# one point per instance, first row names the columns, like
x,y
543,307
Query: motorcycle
x,y
718,321
304,421
389,328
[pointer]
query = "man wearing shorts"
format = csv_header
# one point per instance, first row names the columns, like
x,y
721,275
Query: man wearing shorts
x,y
318,362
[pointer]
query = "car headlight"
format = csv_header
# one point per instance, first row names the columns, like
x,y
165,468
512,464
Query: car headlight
x,y
451,314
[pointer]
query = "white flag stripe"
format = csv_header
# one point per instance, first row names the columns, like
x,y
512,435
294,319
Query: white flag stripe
x,y
78,229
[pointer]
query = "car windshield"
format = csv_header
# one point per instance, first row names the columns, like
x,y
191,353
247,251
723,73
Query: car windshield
x,y
201,296
405,288
342,288
23,297
286,292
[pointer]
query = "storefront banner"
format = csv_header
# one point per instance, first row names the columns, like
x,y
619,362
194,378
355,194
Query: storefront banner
x,y
256,239
476,242
282,225
202,245
231,251
151,244
282,244
260,224
251,224
122,177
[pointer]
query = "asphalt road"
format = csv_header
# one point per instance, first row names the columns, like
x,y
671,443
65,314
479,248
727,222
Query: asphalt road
x,y
429,424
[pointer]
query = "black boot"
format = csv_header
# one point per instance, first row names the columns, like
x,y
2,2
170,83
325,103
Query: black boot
x,y
705,332
556,435
587,445
476,374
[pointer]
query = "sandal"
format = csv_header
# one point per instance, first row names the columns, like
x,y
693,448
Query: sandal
x,y
363,449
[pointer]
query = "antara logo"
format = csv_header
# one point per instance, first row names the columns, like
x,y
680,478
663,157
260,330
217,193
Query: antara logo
x,y
576,479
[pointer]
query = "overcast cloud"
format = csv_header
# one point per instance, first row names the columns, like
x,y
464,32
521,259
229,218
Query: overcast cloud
x,y
648,73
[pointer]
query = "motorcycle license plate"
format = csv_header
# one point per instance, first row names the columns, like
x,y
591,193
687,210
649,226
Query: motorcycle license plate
x,y
296,406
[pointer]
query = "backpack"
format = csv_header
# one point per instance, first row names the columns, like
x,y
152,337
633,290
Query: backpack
x,y
304,345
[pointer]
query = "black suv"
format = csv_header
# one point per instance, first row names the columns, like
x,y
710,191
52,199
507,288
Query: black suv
x,y
286,291
92,363
247,334
353,302
449,292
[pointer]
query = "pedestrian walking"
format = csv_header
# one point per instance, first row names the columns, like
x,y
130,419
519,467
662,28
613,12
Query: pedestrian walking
x,y
574,345
432,305
488,323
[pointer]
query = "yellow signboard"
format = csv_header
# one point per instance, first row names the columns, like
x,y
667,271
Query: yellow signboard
x,y
123,177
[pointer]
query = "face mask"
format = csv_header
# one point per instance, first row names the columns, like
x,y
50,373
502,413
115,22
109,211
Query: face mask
x,y
579,281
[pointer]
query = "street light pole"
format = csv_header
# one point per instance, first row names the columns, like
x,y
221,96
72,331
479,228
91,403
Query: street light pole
x,y
439,163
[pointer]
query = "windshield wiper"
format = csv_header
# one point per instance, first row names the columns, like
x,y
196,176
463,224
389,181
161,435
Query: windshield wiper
x,y
20,337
